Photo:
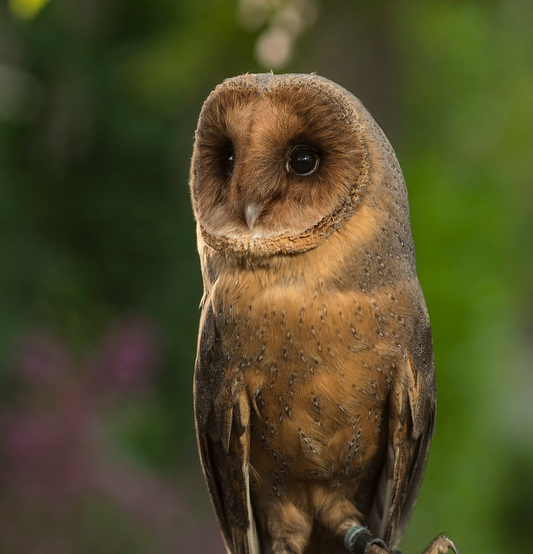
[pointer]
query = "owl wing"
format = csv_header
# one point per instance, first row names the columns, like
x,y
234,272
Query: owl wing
x,y
223,434
412,407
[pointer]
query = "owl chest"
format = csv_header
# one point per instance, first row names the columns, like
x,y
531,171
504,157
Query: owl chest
x,y
317,375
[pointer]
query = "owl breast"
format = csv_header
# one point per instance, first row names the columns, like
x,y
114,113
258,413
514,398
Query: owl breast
x,y
317,368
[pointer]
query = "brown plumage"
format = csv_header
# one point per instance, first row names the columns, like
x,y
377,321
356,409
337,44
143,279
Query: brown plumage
x,y
314,385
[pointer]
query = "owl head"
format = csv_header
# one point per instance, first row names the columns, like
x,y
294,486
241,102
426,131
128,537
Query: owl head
x,y
282,161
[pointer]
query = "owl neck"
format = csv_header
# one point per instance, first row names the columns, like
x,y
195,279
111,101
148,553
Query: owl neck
x,y
372,249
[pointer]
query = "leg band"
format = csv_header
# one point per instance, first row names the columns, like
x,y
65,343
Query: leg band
x,y
358,539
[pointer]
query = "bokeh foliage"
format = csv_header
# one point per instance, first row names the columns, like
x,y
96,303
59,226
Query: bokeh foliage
x,y
98,105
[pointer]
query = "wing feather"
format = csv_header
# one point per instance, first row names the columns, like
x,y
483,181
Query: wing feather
x,y
412,407
223,433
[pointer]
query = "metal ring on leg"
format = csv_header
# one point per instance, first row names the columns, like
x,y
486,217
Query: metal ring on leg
x,y
358,539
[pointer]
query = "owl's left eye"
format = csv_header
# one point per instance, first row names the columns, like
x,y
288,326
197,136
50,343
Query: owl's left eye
x,y
303,160
230,162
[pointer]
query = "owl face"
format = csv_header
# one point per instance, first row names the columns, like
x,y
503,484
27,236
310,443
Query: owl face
x,y
279,163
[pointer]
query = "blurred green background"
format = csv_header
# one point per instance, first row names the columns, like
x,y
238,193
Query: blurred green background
x,y
99,278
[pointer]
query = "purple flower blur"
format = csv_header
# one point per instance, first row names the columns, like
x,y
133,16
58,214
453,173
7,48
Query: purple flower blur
x,y
42,360
65,486
129,357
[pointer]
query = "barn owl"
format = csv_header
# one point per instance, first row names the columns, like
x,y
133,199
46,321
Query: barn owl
x,y
314,382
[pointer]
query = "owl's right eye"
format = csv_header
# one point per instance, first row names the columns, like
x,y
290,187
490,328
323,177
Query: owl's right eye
x,y
230,162
303,160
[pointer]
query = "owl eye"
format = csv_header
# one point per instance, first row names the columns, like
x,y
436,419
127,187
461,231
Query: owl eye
x,y
303,160
230,162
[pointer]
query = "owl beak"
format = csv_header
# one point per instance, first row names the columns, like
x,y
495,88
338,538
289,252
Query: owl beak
x,y
251,213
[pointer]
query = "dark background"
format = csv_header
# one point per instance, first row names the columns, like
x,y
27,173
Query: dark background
x,y
100,282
